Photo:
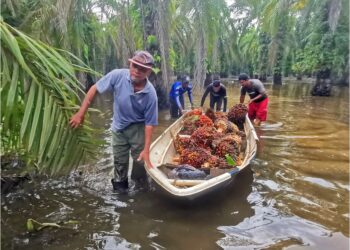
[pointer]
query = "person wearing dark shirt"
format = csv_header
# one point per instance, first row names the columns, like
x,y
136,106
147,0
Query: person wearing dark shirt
x,y
217,95
177,102
257,106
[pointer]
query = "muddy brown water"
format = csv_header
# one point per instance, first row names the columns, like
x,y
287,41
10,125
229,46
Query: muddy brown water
x,y
295,194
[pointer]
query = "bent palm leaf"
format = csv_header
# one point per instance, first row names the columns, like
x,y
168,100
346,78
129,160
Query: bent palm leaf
x,y
39,93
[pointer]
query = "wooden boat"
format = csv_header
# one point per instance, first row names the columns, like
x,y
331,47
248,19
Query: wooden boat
x,y
162,152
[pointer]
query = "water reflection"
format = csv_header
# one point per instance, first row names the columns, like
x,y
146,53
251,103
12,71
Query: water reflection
x,y
169,223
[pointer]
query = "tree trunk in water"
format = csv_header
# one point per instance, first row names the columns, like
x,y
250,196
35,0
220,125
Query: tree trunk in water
x,y
323,84
200,71
277,78
277,67
128,42
154,23
345,77
162,29
264,41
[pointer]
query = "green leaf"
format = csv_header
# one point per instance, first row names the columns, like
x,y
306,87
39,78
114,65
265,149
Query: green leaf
x,y
30,226
35,123
28,110
11,96
229,160
156,70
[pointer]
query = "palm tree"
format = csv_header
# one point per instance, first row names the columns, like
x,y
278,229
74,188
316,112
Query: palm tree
x,y
39,93
277,21
162,26
206,36
324,33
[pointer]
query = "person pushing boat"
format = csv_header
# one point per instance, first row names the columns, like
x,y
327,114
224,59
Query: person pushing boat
x,y
217,95
176,96
135,113
257,105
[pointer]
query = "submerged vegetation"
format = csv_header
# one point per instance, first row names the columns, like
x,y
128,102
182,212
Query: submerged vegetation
x,y
49,48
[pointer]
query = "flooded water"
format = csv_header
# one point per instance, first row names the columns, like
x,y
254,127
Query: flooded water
x,y
295,194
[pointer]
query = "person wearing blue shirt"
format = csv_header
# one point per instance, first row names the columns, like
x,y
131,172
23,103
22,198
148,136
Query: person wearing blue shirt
x,y
177,102
135,113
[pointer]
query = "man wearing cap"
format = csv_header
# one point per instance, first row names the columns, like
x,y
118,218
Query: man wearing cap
x,y
177,102
257,106
217,94
135,113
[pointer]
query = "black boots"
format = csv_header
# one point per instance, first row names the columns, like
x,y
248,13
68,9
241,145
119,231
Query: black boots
x,y
120,186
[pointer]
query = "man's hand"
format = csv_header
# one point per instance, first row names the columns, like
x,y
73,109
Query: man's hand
x,y
144,155
76,120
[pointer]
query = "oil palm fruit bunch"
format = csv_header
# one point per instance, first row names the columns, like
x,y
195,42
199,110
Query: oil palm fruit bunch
x,y
211,114
195,157
204,121
223,125
220,114
193,112
181,143
203,136
200,158
237,114
229,144
234,129
189,124
190,119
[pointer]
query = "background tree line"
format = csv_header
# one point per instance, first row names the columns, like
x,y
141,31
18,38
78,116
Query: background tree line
x,y
269,37
261,37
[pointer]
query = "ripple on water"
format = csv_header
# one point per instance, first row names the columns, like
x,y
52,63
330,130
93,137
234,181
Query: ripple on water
x,y
319,181
274,186
278,231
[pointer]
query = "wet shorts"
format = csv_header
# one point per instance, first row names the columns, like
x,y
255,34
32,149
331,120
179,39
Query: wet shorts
x,y
258,110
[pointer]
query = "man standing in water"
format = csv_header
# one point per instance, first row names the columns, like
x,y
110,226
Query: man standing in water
x,y
257,106
177,102
135,113
217,94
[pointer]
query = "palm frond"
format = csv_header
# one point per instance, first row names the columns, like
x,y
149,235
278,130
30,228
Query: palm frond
x,y
39,117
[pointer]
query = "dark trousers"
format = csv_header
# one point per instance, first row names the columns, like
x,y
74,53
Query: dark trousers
x,y
174,109
215,100
130,140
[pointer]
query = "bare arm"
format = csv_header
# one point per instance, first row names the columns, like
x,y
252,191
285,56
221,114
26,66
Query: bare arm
x,y
225,103
145,152
204,96
241,99
78,117
255,98
190,97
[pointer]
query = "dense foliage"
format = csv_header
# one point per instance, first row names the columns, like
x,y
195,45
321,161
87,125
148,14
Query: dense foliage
x,y
197,37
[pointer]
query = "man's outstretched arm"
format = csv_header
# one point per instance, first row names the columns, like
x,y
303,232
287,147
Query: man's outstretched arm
x,y
204,96
78,118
